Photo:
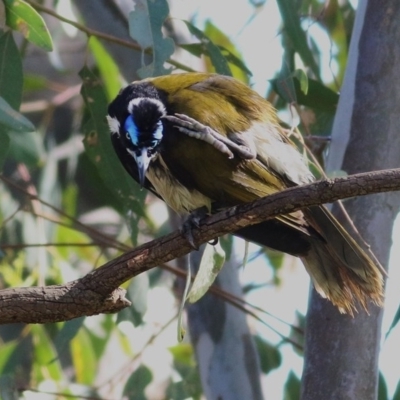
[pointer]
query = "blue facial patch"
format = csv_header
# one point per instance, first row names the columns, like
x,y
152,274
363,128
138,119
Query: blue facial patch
x,y
132,130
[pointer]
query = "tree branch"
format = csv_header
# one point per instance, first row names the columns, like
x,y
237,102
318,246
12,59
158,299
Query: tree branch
x,y
99,292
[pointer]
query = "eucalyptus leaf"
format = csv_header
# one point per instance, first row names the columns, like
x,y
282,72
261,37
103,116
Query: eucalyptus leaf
x,y
211,263
136,384
218,60
11,75
13,120
145,26
4,146
292,25
24,18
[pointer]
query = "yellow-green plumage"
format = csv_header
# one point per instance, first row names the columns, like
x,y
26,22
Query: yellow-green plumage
x,y
188,172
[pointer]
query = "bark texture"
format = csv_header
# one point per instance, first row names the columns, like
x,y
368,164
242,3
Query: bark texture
x,y
341,359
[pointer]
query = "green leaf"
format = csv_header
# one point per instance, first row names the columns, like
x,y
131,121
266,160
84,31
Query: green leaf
x,y
382,388
211,263
229,51
394,322
27,148
396,395
270,356
145,26
4,146
13,120
136,384
296,34
83,357
109,70
44,354
24,18
11,76
68,331
303,80
208,47
292,387
6,351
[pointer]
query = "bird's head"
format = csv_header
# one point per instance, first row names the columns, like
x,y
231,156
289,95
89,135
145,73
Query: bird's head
x,y
140,130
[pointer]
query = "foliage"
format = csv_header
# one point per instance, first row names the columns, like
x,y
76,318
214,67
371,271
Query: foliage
x,y
98,211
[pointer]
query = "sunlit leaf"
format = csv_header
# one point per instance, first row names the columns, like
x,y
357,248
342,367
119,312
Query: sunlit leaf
x,y
211,263
109,70
46,363
24,18
145,26
83,357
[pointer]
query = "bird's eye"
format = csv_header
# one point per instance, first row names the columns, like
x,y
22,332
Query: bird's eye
x,y
127,136
153,143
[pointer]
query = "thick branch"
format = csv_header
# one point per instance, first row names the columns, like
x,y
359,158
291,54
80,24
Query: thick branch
x,y
98,292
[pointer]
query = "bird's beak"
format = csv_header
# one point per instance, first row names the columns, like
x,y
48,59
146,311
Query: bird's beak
x,y
142,161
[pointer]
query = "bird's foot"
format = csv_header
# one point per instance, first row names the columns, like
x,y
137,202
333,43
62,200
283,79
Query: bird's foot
x,y
193,128
193,221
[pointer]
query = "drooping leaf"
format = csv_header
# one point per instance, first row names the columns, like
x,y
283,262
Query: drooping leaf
x,y
218,60
24,18
296,34
108,68
11,76
13,120
229,51
145,26
211,263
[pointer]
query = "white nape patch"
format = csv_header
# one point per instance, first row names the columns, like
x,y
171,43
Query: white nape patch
x,y
282,157
113,124
173,192
136,102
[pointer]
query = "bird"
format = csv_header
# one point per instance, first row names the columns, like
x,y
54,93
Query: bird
x,y
204,141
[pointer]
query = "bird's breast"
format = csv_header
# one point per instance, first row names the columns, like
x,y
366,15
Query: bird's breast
x,y
179,197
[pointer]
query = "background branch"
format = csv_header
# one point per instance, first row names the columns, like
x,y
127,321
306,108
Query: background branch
x,y
99,292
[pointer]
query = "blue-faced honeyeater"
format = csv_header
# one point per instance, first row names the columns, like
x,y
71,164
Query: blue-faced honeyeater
x,y
204,140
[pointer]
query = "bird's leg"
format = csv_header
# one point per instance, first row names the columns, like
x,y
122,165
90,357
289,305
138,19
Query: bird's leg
x,y
197,130
193,220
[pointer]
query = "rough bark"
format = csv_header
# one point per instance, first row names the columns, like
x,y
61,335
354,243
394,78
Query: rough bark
x,y
341,360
